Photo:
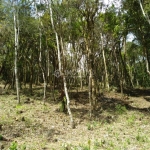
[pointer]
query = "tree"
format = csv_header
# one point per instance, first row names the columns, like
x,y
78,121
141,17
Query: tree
x,y
16,41
139,26
60,64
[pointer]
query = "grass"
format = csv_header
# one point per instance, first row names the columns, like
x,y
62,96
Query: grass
x,y
120,109
29,124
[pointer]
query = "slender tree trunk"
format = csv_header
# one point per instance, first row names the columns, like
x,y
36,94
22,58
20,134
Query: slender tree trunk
x,y
48,63
25,75
81,79
90,76
105,65
144,14
16,29
40,64
40,55
127,76
147,62
60,67
90,92
31,79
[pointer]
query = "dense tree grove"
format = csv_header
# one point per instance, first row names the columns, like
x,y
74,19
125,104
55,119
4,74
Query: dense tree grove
x,y
75,43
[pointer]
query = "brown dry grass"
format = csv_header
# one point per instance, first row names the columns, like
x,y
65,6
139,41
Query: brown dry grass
x,y
119,122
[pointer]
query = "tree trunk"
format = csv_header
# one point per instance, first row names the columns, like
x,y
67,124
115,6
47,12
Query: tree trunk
x,y
40,64
148,20
31,79
144,14
16,29
147,62
40,56
105,65
60,67
91,83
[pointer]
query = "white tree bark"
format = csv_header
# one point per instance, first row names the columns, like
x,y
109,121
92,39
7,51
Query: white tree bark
x,y
144,14
147,64
60,66
66,91
16,30
105,65
90,77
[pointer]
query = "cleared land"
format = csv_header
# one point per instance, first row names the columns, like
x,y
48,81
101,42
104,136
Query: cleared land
x,y
120,123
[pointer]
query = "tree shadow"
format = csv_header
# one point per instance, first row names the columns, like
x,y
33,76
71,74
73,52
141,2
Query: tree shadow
x,y
14,131
79,97
136,92
81,108
113,106
147,98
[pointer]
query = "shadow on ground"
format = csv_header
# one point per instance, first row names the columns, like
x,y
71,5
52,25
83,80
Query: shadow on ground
x,y
109,104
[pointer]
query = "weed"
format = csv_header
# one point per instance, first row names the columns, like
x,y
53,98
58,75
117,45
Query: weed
x,y
95,123
111,143
69,147
28,122
131,119
83,147
141,138
90,126
23,147
125,145
19,108
109,129
120,109
89,144
102,142
45,109
1,137
97,144
116,135
146,122
128,141
13,146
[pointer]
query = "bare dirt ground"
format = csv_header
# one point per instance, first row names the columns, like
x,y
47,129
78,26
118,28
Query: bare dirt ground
x,y
119,123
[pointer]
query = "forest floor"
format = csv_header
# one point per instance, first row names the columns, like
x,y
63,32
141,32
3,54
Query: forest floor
x,y
119,123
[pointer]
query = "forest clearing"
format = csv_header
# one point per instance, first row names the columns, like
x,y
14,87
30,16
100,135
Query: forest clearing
x,y
119,123
74,74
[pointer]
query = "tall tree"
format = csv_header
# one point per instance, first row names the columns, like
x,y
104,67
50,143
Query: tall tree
x,y
139,25
16,41
59,43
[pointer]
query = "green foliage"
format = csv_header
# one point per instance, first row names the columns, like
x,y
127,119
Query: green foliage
x,y
13,146
23,147
81,146
63,105
97,144
72,21
131,120
120,109
19,108
1,137
90,126
141,138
